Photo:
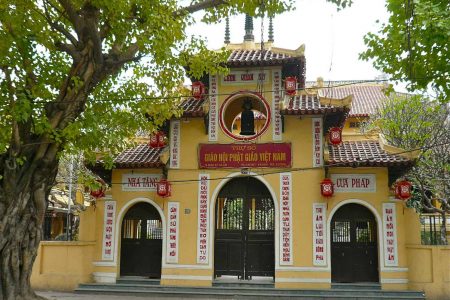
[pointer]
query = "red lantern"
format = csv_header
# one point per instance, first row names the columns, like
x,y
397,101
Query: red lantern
x,y
198,90
153,141
157,140
335,135
403,190
100,192
163,188
290,86
161,139
326,187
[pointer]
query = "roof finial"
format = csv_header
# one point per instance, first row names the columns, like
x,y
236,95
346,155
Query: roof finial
x,y
227,30
271,40
248,29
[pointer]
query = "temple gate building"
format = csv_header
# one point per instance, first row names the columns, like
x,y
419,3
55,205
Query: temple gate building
x,y
245,163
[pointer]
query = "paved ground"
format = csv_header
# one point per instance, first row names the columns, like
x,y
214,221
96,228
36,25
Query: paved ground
x,y
72,296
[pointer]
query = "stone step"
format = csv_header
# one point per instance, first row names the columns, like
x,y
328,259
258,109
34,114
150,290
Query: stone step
x,y
208,295
138,280
246,291
358,285
243,283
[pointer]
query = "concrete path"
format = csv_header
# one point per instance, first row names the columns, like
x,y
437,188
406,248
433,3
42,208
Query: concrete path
x,y
51,295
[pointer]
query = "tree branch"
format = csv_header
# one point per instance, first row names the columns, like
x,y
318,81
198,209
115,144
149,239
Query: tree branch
x,y
198,6
69,49
72,16
58,27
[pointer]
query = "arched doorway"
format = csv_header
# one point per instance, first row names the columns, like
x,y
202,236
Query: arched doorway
x,y
354,246
141,242
245,230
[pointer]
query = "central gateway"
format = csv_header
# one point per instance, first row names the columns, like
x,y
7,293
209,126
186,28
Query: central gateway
x,y
245,230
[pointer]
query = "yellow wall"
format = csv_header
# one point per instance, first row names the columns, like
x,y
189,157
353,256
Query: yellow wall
x,y
62,265
429,270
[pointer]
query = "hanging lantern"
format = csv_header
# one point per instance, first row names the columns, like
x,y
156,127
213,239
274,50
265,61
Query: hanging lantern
x,y
157,140
100,192
161,139
198,90
403,190
153,141
335,135
326,187
290,86
163,188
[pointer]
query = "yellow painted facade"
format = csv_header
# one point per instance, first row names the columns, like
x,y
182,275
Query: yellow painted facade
x,y
418,267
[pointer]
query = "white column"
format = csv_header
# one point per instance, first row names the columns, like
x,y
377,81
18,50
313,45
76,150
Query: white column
x,y
172,231
108,230
203,220
213,108
286,255
319,234
390,235
175,135
317,134
276,99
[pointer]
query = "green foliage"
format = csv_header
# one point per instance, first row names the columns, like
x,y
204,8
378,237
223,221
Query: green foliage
x,y
414,45
83,73
41,43
413,123
408,121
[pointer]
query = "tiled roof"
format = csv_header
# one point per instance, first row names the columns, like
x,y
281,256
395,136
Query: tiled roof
x,y
241,57
332,83
308,105
192,107
363,153
142,156
366,98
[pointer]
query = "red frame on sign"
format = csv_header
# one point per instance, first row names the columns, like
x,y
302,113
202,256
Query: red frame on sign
x,y
214,156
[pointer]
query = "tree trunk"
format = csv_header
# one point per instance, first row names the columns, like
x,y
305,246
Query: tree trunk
x,y
23,201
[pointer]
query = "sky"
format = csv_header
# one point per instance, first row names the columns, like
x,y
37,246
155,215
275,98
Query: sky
x,y
333,39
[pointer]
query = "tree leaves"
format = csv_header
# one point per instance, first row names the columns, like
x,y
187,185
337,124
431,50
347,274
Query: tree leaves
x,y
412,122
413,46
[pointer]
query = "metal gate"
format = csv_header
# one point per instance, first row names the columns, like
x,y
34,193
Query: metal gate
x,y
354,249
141,243
245,229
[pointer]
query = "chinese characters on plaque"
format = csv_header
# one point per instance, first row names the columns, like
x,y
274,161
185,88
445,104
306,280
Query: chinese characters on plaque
x,y
390,235
276,116
108,230
203,213
319,236
213,109
175,144
317,142
286,219
172,230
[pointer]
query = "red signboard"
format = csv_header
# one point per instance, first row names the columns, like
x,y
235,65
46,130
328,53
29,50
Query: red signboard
x,y
270,155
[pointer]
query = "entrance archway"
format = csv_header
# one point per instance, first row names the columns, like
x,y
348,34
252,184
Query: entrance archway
x,y
244,244
354,245
141,242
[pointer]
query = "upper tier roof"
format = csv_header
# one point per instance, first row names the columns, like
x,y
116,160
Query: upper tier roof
x,y
141,156
256,57
365,100
309,105
363,153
